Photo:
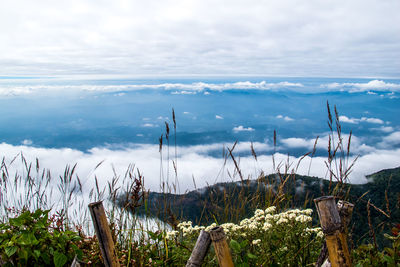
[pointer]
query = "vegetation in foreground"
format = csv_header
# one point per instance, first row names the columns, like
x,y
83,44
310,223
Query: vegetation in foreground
x,y
263,226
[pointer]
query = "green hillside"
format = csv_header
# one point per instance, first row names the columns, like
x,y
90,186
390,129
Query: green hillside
x,y
233,201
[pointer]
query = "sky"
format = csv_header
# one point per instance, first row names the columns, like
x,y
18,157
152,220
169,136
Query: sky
x,y
359,38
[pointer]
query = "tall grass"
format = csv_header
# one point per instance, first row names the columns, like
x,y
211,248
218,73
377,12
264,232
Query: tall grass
x,y
29,186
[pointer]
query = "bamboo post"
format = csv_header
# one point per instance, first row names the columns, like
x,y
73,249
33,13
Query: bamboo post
x,y
103,233
332,227
221,247
200,250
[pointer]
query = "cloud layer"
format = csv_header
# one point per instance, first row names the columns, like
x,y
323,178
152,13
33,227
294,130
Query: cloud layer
x,y
176,88
12,87
334,38
373,85
196,161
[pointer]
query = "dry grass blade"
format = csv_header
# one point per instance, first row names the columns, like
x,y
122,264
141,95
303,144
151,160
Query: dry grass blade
x,y
253,152
371,228
330,121
237,169
166,130
160,142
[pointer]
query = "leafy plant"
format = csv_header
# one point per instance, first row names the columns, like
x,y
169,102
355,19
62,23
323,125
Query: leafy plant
x,y
369,255
36,240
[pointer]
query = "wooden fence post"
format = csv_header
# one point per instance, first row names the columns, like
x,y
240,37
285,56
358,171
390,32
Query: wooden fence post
x,y
221,247
103,233
345,210
200,250
331,224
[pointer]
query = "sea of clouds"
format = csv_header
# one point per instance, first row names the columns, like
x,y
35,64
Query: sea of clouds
x,y
11,89
197,165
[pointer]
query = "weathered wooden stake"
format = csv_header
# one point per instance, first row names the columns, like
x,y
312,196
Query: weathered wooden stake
x,y
345,210
200,250
221,247
103,233
331,224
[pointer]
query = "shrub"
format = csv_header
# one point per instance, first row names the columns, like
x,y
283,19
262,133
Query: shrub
x,y
36,240
267,238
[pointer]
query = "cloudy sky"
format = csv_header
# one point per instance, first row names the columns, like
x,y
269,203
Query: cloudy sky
x,y
359,38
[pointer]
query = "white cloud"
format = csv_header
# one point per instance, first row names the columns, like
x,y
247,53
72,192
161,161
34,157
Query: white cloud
x,y
27,142
120,94
219,117
183,93
285,118
176,88
200,37
357,145
369,87
385,129
294,142
372,120
149,125
240,128
390,140
346,119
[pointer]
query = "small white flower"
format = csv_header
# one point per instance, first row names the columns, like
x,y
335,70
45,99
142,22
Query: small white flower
x,y
259,212
267,226
320,234
256,241
282,220
303,218
308,211
271,209
171,235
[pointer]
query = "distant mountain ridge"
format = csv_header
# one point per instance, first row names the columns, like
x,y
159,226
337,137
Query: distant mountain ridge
x,y
233,201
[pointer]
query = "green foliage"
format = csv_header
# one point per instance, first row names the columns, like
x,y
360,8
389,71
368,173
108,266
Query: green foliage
x,y
368,255
30,239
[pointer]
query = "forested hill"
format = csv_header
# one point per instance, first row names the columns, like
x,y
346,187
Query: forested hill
x,y
233,201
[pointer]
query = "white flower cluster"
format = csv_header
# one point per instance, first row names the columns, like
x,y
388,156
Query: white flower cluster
x,y
187,229
262,221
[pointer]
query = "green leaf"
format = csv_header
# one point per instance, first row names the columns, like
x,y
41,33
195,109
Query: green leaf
x,y
27,239
37,213
388,259
16,221
59,259
251,256
235,245
23,254
10,251
244,243
36,254
45,258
